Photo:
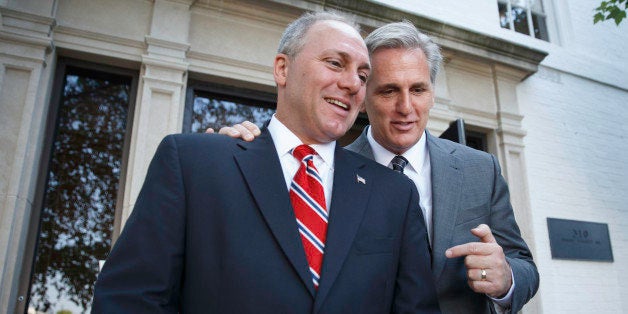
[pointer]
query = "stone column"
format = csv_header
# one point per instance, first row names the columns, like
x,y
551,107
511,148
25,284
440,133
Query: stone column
x,y
510,149
161,94
25,56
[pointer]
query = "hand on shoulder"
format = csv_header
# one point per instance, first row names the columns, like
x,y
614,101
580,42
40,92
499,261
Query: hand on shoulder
x,y
246,131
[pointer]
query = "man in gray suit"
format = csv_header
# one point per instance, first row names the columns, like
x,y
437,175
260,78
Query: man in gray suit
x,y
480,262
464,198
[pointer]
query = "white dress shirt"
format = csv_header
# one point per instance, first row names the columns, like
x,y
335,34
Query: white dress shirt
x,y
419,170
285,141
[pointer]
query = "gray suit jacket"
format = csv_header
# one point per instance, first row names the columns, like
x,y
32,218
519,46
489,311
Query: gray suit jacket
x,y
467,190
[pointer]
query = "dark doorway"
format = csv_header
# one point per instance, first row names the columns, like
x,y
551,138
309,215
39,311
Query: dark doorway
x,y
458,132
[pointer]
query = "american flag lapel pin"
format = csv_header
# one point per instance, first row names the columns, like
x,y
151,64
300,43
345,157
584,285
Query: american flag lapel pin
x,y
360,179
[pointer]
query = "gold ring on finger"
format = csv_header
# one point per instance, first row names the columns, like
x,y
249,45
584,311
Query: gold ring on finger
x,y
483,274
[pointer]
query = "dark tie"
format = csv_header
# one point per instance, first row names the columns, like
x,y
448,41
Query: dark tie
x,y
398,163
308,200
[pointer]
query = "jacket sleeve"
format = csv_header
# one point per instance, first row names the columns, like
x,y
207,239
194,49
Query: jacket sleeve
x,y
143,272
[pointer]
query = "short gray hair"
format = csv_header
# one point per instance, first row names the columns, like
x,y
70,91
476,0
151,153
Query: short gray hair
x,y
405,36
293,38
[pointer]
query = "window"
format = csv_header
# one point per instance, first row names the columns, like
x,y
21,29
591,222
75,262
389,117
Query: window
x,y
215,106
523,16
78,213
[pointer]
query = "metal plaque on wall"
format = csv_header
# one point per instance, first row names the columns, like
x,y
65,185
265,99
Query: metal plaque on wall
x,y
579,240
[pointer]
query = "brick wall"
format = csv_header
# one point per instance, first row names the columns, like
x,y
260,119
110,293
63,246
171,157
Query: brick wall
x,y
577,161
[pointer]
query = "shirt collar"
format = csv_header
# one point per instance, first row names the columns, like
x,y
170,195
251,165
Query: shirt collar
x,y
285,140
417,155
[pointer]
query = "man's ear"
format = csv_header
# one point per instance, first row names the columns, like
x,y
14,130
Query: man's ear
x,y
280,69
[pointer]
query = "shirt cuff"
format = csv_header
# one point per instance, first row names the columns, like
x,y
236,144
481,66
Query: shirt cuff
x,y
503,304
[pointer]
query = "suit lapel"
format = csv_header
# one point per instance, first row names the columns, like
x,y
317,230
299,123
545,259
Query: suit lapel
x,y
348,204
262,171
446,191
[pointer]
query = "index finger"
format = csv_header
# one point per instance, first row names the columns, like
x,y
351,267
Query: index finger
x,y
471,248
252,127
245,132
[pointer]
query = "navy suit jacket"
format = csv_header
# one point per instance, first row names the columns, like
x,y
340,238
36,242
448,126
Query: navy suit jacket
x,y
213,231
467,190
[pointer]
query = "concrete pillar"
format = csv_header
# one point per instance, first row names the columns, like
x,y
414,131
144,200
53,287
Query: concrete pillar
x,y
25,56
161,94
510,149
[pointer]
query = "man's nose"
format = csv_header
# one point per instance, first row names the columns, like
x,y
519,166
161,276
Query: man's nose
x,y
351,82
404,103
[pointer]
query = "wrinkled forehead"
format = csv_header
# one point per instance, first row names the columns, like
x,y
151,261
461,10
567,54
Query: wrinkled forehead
x,y
336,36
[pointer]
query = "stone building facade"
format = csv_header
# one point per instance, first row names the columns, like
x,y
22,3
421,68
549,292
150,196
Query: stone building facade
x,y
121,74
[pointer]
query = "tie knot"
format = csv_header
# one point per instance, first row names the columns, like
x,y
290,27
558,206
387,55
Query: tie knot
x,y
303,151
398,163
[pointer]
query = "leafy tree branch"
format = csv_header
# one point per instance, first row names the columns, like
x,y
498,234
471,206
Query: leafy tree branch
x,y
611,9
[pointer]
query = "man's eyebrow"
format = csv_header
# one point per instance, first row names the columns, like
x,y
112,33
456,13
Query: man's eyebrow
x,y
387,86
363,66
420,85
345,56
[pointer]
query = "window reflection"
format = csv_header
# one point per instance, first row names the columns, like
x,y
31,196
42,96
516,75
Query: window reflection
x,y
215,111
79,203
520,19
504,18
523,16
540,29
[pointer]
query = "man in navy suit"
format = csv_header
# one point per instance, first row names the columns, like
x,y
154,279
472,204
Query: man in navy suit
x,y
481,264
213,229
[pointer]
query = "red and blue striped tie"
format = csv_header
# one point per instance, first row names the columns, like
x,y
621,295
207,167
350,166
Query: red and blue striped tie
x,y
308,200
